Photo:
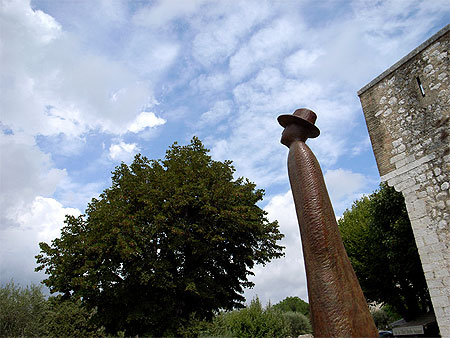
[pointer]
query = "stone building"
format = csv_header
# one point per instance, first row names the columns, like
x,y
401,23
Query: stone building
x,y
407,111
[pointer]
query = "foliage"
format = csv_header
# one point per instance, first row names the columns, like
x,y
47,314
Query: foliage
x,y
293,304
298,323
384,316
379,241
168,239
381,318
69,318
391,313
250,322
22,310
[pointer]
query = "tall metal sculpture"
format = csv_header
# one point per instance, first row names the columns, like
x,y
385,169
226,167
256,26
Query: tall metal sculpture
x,y
338,306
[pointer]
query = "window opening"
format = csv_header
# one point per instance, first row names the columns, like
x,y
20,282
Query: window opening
x,y
422,91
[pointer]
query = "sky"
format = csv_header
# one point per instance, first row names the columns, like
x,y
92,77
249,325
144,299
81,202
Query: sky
x,y
87,84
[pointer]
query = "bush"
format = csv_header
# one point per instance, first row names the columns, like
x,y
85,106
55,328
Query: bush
x,y
380,318
384,317
250,322
22,310
298,323
69,318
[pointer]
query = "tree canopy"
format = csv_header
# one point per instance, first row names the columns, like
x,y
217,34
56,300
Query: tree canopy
x,y
378,237
293,304
169,239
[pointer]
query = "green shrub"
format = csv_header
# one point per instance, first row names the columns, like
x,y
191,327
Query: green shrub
x,y
298,323
384,317
22,310
69,318
250,322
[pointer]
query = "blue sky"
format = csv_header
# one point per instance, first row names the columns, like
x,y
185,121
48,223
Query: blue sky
x,y
87,84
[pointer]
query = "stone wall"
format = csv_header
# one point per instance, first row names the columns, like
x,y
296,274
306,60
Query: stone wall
x,y
407,111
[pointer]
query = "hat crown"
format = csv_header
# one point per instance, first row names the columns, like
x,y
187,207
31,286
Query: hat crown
x,y
303,117
306,114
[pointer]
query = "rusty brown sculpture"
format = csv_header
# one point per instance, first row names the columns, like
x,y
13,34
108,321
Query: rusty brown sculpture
x,y
338,306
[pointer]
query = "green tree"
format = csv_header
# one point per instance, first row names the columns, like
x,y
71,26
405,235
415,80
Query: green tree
x,y
169,239
22,310
293,304
378,237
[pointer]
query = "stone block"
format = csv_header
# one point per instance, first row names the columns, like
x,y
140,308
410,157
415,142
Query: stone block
x,y
447,311
441,301
400,163
397,142
439,311
412,189
420,207
397,158
434,285
387,112
429,275
442,195
440,205
431,239
442,273
392,101
421,194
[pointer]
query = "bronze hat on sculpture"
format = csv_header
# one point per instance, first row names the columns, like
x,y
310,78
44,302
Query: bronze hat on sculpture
x,y
304,117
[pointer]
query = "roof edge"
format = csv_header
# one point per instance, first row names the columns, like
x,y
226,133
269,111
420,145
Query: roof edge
x,y
404,59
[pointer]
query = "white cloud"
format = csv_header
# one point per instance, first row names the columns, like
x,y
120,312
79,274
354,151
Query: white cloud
x,y
374,35
344,187
285,276
210,83
220,111
342,182
145,120
123,151
254,147
300,61
41,221
51,85
361,146
390,25
45,28
151,54
223,27
25,172
265,47
163,12
270,92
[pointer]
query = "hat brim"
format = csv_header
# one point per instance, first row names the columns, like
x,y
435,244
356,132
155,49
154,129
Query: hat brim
x,y
285,120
